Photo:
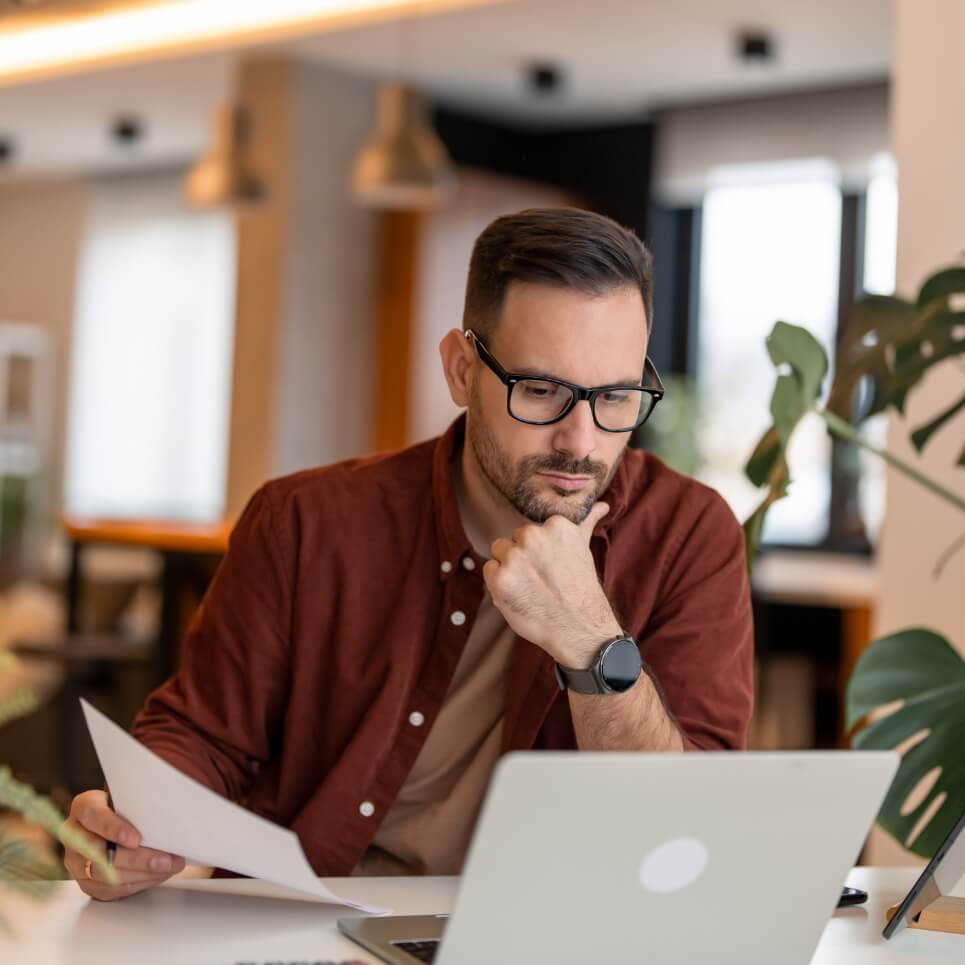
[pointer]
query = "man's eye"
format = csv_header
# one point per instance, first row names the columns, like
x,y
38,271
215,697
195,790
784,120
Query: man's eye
x,y
615,398
537,391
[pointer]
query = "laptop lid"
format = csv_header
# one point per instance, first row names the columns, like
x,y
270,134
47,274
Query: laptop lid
x,y
698,857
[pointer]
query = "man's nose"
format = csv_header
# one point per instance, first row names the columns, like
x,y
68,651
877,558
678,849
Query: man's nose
x,y
576,434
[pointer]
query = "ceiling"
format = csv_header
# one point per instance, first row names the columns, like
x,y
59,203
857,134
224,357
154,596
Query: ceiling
x,y
619,58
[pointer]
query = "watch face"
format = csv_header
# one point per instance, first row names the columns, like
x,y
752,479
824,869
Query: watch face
x,y
620,667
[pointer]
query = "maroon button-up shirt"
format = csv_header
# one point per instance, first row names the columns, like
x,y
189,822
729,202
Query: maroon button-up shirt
x,y
342,606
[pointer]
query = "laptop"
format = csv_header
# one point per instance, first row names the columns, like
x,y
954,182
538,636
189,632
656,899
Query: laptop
x,y
663,858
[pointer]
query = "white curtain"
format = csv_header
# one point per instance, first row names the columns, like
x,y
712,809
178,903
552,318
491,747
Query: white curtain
x,y
151,355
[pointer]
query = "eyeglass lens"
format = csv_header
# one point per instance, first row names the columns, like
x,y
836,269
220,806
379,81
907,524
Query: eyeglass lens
x,y
534,400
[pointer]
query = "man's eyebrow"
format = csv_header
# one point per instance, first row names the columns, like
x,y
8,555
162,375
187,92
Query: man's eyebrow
x,y
633,380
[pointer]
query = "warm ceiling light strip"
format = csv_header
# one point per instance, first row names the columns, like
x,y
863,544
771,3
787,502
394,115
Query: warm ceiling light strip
x,y
184,26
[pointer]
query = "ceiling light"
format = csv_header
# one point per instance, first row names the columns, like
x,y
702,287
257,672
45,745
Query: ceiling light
x,y
221,177
127,130
755,46
405,165
544,78
178,27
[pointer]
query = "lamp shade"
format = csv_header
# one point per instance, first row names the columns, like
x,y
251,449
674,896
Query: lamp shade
x,y
405,165
220,177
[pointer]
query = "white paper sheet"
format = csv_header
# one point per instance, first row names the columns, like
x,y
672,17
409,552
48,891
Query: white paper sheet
x,y
175,813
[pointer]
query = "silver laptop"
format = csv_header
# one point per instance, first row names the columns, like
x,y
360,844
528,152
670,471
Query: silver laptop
x,y
662,858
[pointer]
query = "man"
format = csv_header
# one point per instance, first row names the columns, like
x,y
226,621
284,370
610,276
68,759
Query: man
x,y
383,629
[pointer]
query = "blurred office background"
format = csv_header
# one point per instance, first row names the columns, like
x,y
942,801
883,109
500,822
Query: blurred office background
x,y
210,275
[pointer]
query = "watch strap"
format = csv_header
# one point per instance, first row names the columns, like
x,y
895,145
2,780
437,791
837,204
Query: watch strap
x,y
580,681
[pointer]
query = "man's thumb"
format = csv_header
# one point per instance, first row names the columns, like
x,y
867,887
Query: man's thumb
x,y
594,516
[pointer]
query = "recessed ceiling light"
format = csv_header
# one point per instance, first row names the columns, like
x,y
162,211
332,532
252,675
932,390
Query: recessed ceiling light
x,y
127,129
755,46
544,78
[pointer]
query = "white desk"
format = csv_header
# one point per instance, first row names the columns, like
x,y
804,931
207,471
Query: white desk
x,y
174,926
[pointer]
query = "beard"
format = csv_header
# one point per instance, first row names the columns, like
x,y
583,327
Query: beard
x,y
516,482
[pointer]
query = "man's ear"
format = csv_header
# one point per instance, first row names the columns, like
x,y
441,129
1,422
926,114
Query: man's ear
x,y
457,358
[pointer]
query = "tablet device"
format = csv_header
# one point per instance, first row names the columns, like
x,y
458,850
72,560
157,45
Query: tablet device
x,y
943,873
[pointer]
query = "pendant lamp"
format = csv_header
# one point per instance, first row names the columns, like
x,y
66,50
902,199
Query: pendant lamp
x,y
405,165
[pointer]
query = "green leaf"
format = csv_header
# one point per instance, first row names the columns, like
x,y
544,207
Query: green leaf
x,y
940,286
764,458
923,433
796,347
890,344
796,391
934,339
754,524
919,668
20,703
865,349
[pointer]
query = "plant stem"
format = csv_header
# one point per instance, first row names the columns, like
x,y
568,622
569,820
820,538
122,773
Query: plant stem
x,y
846,431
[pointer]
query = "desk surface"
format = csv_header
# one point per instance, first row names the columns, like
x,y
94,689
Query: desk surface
x,y
209,922
154,534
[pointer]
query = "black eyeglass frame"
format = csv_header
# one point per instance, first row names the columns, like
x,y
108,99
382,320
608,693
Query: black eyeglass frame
x,y
578,393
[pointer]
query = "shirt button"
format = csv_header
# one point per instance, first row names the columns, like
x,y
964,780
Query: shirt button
x,y
416,719
367,809
458,618
446,566
469,563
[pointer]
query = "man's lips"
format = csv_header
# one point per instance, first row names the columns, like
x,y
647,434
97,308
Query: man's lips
x,y
566,482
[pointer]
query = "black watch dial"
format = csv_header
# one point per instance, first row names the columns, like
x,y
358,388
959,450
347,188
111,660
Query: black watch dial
x,y
620,666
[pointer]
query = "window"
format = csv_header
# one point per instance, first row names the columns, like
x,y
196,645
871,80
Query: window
x,y
770,249
151,366
880,250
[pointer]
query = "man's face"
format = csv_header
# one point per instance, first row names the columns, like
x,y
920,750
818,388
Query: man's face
x,y
561,468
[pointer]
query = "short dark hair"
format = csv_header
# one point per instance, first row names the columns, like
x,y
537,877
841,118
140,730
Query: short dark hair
x,y
564,247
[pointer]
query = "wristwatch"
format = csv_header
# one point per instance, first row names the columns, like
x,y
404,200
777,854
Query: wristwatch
x,y
615,670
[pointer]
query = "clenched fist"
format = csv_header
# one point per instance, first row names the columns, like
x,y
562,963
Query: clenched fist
x,y
544,583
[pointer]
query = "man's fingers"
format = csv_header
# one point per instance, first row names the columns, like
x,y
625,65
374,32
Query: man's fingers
x,y
74,863
102,892
130,882
147,860
129,877
594,516
500,548
91,811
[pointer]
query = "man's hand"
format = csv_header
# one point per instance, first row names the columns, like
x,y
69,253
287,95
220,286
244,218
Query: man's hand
x,y
138,868
544,583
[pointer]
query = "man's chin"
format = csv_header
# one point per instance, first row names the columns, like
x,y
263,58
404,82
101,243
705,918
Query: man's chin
x,y
551,501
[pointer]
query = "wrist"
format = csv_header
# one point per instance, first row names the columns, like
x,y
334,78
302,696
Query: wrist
x,y
581,650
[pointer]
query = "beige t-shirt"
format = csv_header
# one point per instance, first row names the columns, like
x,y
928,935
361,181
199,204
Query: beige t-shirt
x,y
428,829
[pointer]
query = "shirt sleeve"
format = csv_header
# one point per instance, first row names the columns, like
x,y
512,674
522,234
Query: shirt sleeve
x,y
699,640
220,715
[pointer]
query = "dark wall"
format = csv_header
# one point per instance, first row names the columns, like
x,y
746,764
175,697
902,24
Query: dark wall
x,y
609,167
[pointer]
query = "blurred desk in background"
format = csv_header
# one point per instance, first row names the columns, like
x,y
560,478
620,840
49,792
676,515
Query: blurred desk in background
x,y
835,580
94,661
813,615
189,554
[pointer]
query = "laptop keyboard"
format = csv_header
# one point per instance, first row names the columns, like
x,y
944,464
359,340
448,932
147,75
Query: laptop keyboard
x,y
424,951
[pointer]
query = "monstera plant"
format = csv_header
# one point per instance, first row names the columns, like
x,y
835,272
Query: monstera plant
x,y
907,690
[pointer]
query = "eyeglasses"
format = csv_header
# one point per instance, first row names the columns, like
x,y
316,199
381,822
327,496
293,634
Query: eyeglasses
x,y
543,401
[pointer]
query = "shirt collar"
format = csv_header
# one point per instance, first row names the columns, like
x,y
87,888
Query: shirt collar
x,y
452,539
